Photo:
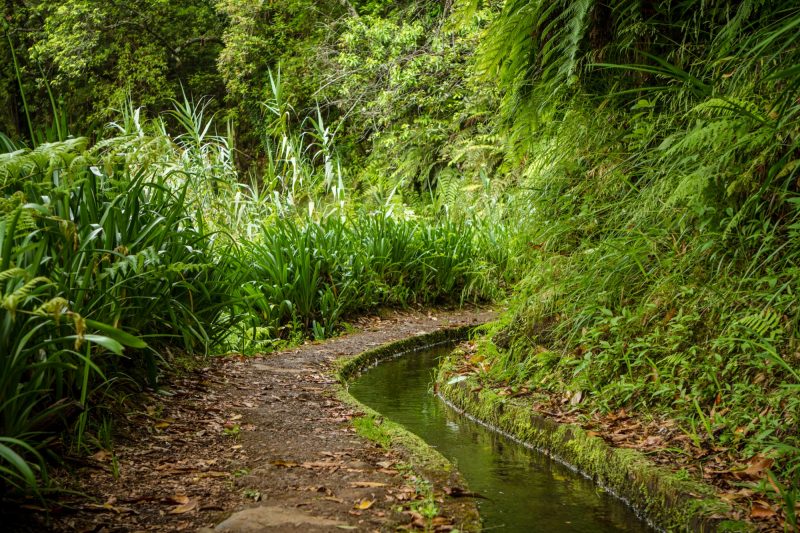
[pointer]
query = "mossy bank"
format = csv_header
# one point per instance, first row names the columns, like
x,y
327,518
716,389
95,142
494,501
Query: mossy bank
x,y
668,501
426,461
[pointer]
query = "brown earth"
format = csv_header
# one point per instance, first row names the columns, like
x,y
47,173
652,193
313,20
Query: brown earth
x,y
254,444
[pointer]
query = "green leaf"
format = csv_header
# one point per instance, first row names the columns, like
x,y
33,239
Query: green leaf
x,y
21,467
126,339
106,342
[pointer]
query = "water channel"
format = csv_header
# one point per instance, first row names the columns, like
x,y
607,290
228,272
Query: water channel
x,y
523,490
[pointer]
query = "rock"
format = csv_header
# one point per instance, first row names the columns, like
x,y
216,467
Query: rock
x,y
260,518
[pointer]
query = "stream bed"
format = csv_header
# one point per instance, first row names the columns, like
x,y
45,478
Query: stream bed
x,y
522,489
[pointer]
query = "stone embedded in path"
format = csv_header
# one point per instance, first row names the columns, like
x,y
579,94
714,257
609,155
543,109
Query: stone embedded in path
x,y
259,518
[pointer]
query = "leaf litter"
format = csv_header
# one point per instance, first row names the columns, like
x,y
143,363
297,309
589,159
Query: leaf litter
x,y
179,465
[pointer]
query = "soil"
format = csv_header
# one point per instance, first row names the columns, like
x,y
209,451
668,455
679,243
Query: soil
x,y
253,444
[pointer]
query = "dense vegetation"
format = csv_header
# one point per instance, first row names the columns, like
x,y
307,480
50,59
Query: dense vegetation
x,y
629,169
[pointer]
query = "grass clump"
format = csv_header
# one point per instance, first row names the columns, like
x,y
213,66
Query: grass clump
x,y
368,426
146,240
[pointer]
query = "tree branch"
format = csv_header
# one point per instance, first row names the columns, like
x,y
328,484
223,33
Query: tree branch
x,y
350,9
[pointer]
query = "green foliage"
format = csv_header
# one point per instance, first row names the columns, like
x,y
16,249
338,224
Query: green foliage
x,y
152,236
94,55
310,274
654,150
633,165
84,253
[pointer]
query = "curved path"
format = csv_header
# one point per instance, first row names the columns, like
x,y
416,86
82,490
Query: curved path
x,y
310,468
258,444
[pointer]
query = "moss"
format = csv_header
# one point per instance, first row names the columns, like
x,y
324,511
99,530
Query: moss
x,y
665,499
348,368
386,433
425,460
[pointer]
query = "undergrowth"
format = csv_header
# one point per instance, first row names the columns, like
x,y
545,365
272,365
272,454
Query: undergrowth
x,y
112,252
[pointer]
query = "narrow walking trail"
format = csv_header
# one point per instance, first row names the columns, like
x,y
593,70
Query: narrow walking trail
x,y
257,444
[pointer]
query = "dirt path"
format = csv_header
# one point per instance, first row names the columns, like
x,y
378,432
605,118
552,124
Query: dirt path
x,y
256,444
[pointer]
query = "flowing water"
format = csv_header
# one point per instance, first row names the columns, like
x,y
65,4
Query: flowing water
x,y
522,489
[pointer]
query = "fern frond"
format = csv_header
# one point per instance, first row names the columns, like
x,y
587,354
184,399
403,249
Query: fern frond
x,y
11,301
766,324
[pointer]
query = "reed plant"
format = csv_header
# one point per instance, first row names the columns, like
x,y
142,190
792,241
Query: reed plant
x,y
98,267
111,252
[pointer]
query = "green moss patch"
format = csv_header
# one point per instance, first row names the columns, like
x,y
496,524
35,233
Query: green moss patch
x,y
663,498
425,460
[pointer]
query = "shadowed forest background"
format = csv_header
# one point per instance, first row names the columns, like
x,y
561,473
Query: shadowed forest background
x,y
197,177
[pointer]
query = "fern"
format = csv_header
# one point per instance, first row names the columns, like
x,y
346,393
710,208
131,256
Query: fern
x,y
11,301
765,324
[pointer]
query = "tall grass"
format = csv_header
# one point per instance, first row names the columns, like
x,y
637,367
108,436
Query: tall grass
x,y
92,261
109,253
307,275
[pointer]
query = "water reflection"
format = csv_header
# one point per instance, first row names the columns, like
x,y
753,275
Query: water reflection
x,y
524,490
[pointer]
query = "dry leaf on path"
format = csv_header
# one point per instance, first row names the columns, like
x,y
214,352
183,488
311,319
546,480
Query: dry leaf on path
x,y
102,456
761,509
364,504
284,464
177,499
185,508
366,484
320,464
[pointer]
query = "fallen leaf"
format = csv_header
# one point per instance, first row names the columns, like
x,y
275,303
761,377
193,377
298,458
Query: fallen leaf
x,y
418,519
177,499
761,509
213,473
106,507
364,504
576,398
185,508
332,499
102,456
756,469
652,440
366,484
319,464
730,497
